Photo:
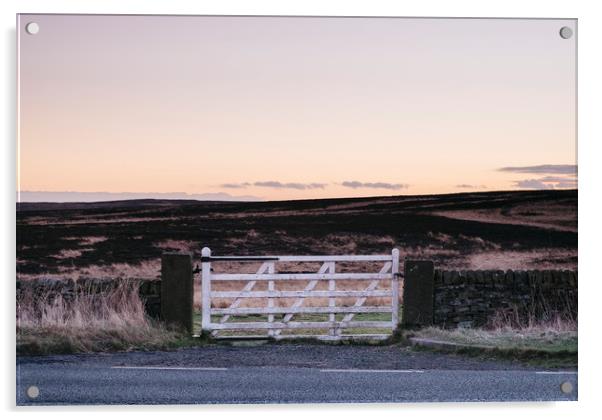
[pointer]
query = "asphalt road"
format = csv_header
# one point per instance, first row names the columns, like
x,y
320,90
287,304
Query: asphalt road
x,y
226,375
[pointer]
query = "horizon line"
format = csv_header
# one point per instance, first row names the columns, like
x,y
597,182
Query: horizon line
x,y
232,199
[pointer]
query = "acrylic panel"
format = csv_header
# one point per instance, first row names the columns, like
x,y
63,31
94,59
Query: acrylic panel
x,y
271,209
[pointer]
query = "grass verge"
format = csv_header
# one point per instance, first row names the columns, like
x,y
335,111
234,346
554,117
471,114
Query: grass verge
x,y
547,345
111,320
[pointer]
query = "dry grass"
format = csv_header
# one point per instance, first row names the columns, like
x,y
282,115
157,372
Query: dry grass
x,y
149,269
91,240
555,336
428,252
290,286
174,245
330,244
550,340
70,253
113,319
47,221
86,240
549,215
542,259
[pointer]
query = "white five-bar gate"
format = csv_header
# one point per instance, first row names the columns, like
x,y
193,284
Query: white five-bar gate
x,y
301,318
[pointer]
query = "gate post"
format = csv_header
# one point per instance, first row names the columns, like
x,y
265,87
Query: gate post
x,y
418,293
205,289
177,289
395,287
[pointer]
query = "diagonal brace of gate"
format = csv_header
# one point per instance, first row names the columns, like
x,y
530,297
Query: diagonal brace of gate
x,y
360,301
327,266
266,266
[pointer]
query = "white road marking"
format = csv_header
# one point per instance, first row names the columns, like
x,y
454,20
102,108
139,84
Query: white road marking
x,y
556,373
371,371
167,368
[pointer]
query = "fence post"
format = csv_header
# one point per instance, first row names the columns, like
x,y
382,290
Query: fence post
x,y
418,293
206,290
177,290
395,287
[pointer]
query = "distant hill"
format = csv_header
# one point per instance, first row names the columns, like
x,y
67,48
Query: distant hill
x,y
45,206
446,200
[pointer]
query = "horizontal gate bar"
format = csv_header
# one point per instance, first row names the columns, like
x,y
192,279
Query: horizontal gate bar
x,y
303,310
302,258
303,276
300,324
207,259
313,293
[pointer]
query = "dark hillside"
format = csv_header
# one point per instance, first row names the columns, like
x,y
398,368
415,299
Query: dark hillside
x,y
532,229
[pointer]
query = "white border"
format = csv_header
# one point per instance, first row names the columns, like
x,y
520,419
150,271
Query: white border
x,y
590,136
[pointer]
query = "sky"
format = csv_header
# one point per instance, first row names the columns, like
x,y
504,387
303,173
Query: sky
x,y
275,108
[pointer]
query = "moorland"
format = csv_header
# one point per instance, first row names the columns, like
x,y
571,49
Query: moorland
x,y
489,230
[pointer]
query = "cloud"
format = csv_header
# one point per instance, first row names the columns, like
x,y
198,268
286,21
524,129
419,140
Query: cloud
x,y
542,169
558,179
313,185
76,196
546,183
234,186
378,185
290,185
533,184
471,187
557,176
276,184
567,184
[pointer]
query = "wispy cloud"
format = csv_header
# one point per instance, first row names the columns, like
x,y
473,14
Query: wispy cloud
x,y
558,179
291,185
533,184
546,183
235,186
276,184
541,169
471,187
557,176
76,196
376,185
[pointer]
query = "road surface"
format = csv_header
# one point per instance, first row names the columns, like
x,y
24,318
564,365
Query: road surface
x,y
282,374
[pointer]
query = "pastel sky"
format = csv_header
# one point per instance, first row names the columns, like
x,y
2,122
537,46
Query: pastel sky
x,y
283,108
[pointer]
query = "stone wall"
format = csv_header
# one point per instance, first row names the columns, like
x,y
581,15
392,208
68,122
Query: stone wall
x,y
149,290
473,298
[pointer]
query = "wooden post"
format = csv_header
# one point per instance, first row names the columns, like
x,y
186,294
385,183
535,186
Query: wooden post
x,y
418,293
395,287
177,290
206,291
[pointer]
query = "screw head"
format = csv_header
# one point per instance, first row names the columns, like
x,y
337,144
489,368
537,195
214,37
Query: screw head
x,y
32,28
33,392
566,387
566,32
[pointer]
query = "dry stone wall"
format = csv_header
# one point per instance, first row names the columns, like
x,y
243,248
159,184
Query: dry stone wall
x,y
475,298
